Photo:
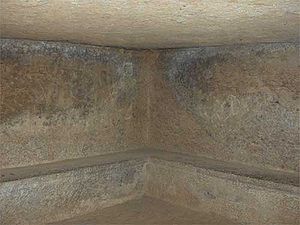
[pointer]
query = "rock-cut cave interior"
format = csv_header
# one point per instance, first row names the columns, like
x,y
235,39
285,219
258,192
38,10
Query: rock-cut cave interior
x,y
160,112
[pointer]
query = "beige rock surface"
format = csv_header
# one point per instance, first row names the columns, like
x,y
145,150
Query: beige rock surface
x,y
53,197
237,103
249,201
151,24
217,190
62,101
147,211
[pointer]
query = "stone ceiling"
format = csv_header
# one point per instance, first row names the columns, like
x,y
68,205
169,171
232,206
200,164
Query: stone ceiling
x,y
152,23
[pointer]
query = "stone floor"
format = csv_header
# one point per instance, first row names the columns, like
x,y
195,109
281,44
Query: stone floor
x,y
147,211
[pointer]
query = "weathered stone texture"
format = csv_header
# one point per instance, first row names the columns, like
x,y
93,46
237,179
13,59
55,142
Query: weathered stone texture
x,y
229,114
50,198
61,101
229,103
243,199
237,103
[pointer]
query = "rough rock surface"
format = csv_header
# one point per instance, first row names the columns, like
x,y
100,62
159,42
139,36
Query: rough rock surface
x,y
62,190
152,24
239,198
49,198
61,101
238,103
230,114
230,103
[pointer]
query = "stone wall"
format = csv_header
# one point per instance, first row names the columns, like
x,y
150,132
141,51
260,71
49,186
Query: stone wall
x,y
61,101
235,103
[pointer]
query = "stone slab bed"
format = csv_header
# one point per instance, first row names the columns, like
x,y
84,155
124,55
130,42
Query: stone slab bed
x,y
63,194
147,211
238,196
56,191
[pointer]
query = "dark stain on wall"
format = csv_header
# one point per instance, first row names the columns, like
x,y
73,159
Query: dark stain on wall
x,y
49,78
239,103
60,101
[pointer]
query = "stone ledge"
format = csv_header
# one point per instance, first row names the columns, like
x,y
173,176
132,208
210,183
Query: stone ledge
x,y
192,181
58,196
241,198
235,168
17,173
288,179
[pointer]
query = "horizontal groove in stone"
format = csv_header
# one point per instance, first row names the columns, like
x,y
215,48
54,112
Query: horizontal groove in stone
x,y
280,177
